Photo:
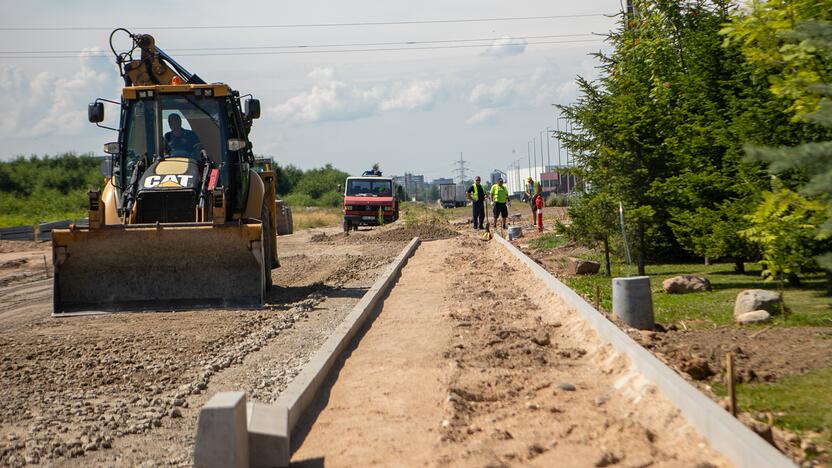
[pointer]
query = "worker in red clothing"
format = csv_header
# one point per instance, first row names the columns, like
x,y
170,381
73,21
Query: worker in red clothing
x,y
537,204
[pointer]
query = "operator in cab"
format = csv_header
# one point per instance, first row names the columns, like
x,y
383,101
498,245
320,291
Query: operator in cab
x,y
180,141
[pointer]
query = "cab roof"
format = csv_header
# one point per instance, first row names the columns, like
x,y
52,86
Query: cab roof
x,y
215,89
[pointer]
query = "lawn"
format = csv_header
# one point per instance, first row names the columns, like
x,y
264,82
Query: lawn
x,y
799,403
807,305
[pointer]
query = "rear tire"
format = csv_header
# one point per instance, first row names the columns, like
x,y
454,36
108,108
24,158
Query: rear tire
x,y
346,225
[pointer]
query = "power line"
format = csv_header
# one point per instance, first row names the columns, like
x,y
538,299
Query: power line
x,y
304,46
288,52
307,25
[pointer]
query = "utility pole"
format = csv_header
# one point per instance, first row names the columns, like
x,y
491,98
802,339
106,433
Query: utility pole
x,y
568,172
461,168
534,150
530,157
548,152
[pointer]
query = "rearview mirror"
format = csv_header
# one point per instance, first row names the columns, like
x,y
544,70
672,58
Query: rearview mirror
x,y
95,112
252,109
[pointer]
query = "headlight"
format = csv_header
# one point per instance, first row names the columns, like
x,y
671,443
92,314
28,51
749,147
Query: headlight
x,y
349,207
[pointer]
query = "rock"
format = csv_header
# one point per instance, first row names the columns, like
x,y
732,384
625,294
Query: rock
x,y
751,300
566,387
175,413
576,266
685,284
756,316
541,338
697,368
763,430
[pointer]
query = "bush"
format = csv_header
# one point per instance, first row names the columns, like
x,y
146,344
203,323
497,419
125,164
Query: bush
x,y
49,188
557,199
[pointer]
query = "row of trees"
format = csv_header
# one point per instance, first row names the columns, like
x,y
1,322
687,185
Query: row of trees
x,y
47,188
709,123
314,187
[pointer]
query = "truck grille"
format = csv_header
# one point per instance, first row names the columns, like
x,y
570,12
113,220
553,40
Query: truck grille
x,y
166,207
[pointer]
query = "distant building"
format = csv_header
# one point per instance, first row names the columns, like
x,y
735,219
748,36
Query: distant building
x,y
442,180
494,176
413,184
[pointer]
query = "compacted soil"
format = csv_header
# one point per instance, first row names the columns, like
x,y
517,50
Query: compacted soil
x,y
471,362
124,389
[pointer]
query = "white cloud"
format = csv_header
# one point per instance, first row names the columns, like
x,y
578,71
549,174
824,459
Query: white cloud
x,y
501,93
331,99
52,104
506,46
540,88
483,117
419,95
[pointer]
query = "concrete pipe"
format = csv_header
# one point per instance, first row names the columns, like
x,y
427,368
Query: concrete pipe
x,y
632,301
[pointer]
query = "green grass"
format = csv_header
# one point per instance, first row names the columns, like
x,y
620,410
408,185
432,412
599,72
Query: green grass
x,y
801,402
808,305
548,241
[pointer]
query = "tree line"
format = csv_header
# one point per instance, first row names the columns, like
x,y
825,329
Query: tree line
x,y
710,124
46,188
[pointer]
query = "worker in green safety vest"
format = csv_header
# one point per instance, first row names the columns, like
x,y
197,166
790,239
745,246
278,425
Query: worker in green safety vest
x,y
476,194
499,197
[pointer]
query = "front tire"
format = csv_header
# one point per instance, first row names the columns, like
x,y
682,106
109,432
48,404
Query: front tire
x,y
268,236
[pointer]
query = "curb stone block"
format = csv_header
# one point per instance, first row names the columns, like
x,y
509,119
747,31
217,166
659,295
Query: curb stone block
x,y
222,436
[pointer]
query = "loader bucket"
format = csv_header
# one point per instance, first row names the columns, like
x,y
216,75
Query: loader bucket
x,y
150,267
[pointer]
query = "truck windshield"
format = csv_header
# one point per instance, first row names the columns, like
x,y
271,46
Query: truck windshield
x,y
369,188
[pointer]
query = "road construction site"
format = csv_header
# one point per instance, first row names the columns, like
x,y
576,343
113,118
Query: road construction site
x,y
469,361
124,389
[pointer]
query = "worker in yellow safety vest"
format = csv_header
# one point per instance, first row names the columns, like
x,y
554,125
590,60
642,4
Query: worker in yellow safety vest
x,y
499,197
476,194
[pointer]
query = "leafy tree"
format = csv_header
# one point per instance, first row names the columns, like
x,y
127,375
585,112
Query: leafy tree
x,y
594,222
785,226
287,178
771,34
322,183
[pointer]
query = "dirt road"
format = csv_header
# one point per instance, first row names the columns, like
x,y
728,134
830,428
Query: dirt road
x,y
124,389
471,362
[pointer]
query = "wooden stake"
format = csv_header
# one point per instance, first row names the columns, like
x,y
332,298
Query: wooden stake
x,y
729,376
597,297
45,267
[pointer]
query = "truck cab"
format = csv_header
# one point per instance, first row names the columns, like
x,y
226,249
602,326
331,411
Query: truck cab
x,y
369,201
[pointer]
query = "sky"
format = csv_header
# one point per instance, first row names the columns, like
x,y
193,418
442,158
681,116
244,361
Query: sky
x,y
413,110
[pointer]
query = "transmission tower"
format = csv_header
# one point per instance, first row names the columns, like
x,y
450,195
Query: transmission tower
x,y
461,169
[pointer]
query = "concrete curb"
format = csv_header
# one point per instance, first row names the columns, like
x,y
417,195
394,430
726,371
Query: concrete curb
x,y
269,427
722,431
302,390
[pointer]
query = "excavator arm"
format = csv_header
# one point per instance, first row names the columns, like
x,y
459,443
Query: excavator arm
x,y
153,67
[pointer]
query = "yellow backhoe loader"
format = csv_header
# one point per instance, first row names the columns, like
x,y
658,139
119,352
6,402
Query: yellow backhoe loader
x,y
186,216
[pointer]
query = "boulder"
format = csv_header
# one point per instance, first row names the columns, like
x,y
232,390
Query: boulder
x,y
576,266
753,317
750,300
683,284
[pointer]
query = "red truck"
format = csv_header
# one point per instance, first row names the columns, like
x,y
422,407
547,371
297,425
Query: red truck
x,y
369,201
